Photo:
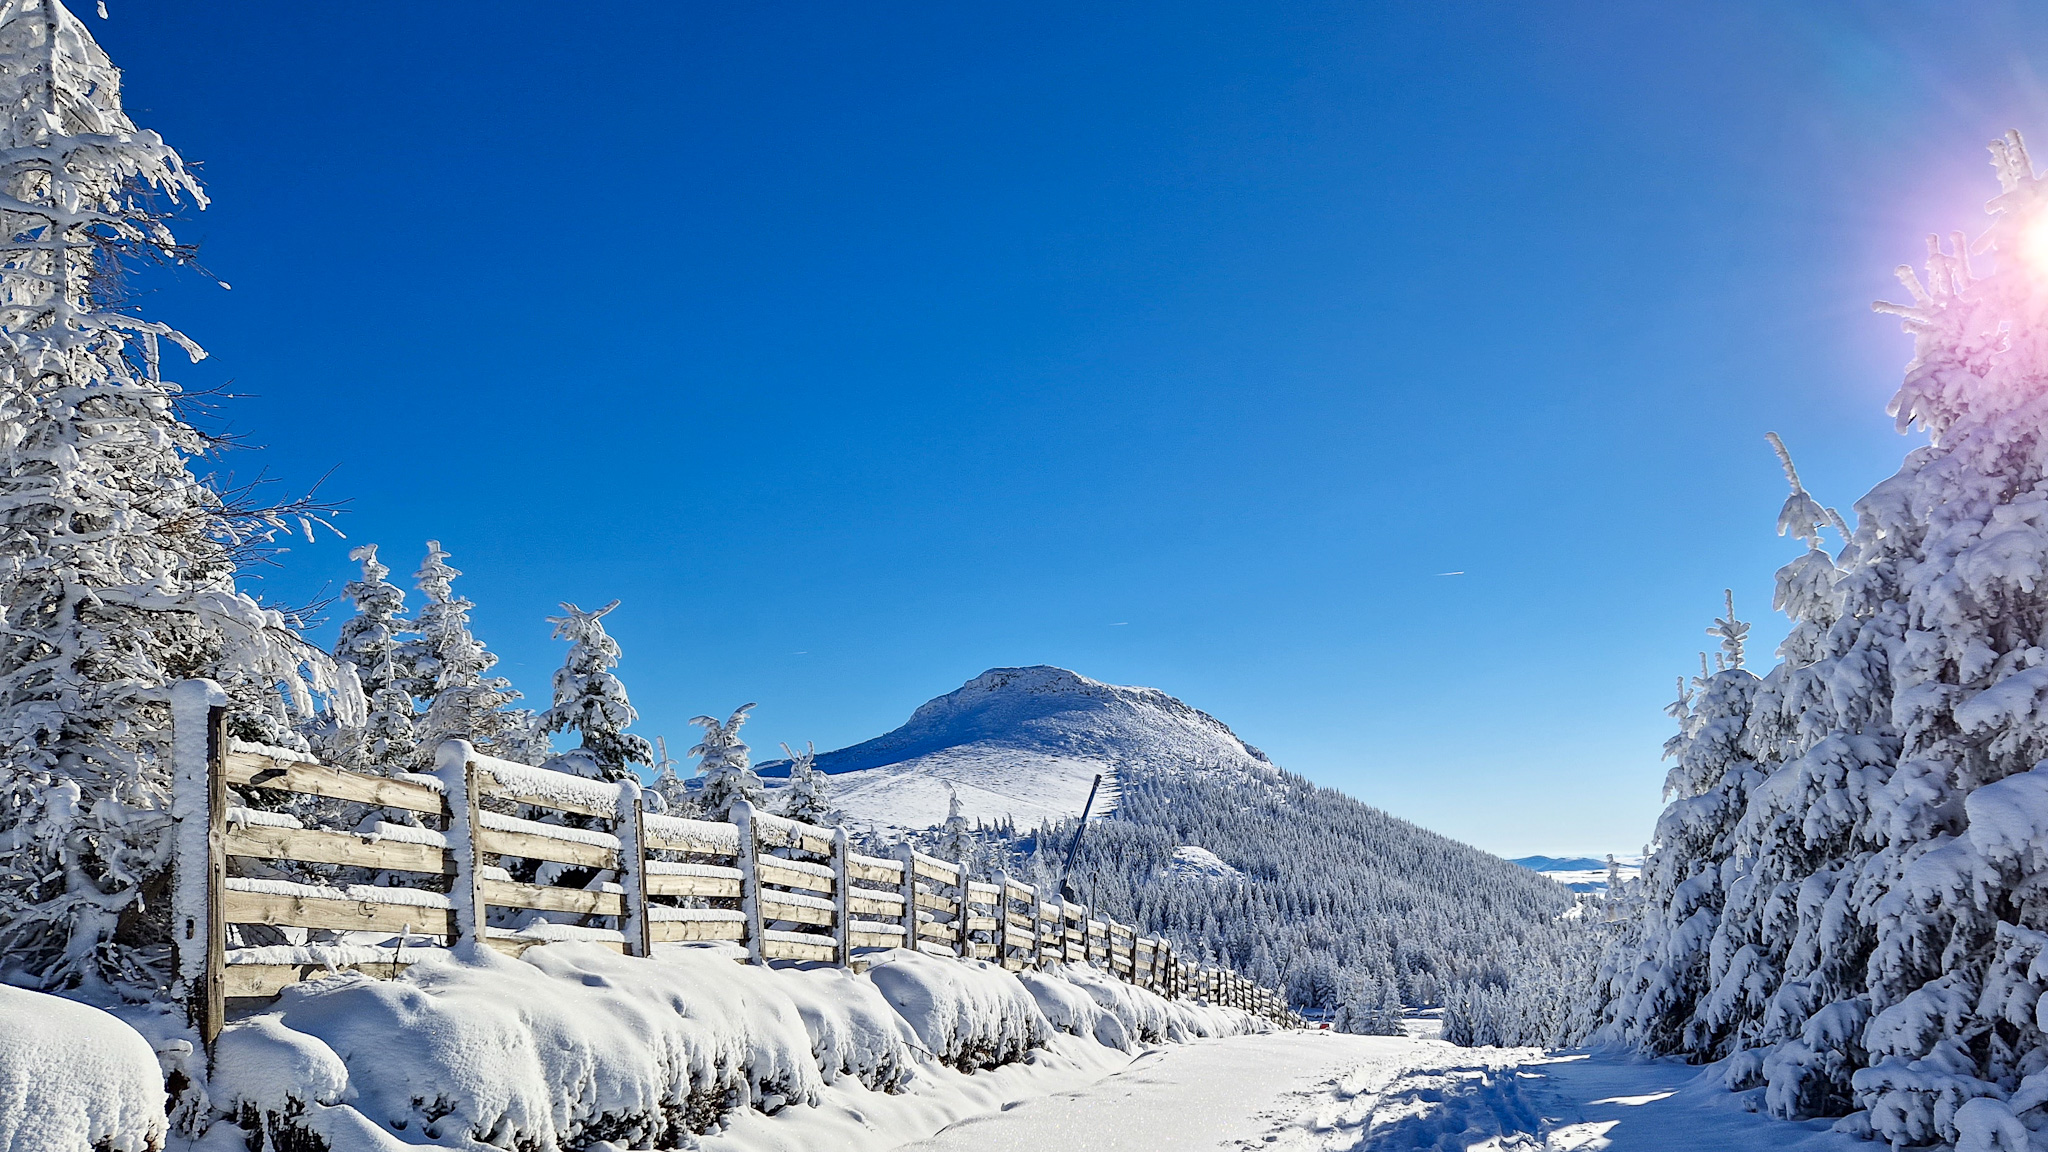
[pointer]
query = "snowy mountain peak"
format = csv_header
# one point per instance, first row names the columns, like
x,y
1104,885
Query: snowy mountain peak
x,y
1026,744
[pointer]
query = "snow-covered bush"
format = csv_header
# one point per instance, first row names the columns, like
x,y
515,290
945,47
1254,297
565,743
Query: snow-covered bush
x,y
572,1044
74,1077
725,768
968,1013
1082,1000
1848,886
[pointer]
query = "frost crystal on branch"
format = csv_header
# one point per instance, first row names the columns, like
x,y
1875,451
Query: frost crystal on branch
x,y
117,563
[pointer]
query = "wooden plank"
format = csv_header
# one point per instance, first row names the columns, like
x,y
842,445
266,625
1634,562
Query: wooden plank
x,y
773,909
254,769
488,785
930,930
864,868
317,846
875,939
265,980
868,902
775,949
533,846
514,946
934,901
981,923
656,840
670,884
984,951
671,930
772,872
936,870
339,915
512,894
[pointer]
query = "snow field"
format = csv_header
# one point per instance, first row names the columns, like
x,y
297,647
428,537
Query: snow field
x,y
573,1044
72,1076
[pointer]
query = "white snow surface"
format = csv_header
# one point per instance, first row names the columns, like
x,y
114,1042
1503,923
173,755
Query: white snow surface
x,y
1022,743
72,1076
1324,1092
1194,862
572,1044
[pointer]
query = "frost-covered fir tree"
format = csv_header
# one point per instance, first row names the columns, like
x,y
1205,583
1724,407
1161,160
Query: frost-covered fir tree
x,y
808,797
1848,895
591,702
722,762
369,643
675,795
955,841
449,674
117,562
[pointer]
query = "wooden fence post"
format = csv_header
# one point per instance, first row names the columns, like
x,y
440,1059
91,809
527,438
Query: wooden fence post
x,y
750,881
198,860
842,896
633,870
966,935
465,889
908,855
1002,933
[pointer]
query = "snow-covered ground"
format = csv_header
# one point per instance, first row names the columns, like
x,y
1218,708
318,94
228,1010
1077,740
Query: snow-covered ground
x,y
1325,1092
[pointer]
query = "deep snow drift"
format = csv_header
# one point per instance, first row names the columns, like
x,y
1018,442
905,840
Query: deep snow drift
x,y
573,1044
72,1076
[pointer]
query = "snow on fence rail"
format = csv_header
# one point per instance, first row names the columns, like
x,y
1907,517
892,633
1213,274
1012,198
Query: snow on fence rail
x,y
524,855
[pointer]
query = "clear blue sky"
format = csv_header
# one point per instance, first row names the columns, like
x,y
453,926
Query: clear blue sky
x,y
861,348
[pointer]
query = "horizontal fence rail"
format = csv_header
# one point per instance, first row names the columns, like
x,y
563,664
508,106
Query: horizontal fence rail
x,y
489,850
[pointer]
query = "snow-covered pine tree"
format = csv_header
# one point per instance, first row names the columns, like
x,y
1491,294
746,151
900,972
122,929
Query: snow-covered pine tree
x,y
117,563
590,701
722,760
370,644
809,796
675,795
955,842
1882,914
449,670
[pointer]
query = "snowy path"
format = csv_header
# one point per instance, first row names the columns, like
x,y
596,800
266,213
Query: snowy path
x,y
1172,1098
1318,1092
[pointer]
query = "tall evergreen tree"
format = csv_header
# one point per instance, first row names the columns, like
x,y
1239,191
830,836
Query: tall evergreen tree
x,y
722,760
675,795
809,796
117,562
1869,928
449,670
591,702
370,644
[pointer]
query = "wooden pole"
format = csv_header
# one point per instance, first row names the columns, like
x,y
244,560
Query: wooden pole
x,y
750,881
215,990
453,764
965,935
842,894
633,866
908,856
1003,920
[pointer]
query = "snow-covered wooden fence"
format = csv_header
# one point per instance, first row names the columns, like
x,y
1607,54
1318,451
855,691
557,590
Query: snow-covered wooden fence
x,y
630,878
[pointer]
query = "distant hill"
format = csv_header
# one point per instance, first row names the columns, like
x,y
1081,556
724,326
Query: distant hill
x,y
1023,745
1580,873
1205,839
